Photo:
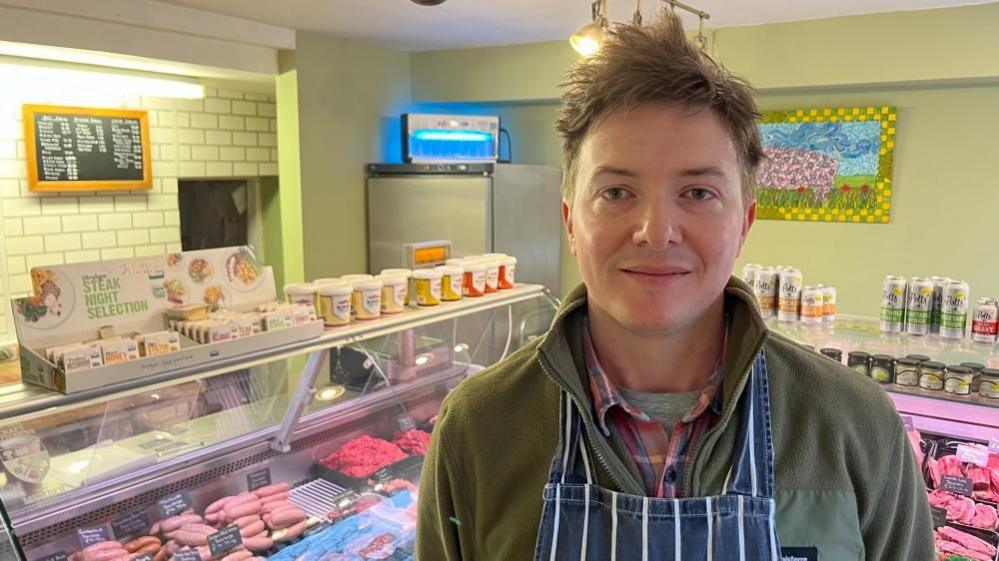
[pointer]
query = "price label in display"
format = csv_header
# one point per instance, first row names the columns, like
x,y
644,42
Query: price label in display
x,y
131,524
187,555
258,479
956,484
90,536
994,445
61,556
939,517
406,423
224,540
174,504
144,557
973,454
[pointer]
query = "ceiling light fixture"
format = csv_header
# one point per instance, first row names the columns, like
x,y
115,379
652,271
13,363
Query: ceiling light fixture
x,y
428,2
702,39
587,40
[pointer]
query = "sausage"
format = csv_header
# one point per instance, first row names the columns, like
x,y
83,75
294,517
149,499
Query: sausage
x,y
161,555
275,497
151,548
218,505
215,517
238,556
139,543
234,511
243,497
154,529
246,520
174,523
103,554
171,547
275,505
199,528
101,546
252,529
290,532
204,552
126,557
186,537
258,544
272,489
288,516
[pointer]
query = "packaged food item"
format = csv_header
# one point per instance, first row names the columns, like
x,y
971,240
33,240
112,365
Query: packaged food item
x,y
394,293
119,350
301,293
976,369
474,284
859,361
366,300
492,274
326,280
303,313
508,272
765,287
248,325
893,304
451,281
220,330
277,319
158,343
811,304
410,289
832,353
918,358
428,286
957,380
985,322
907,372
334,303
989,385
828,305
954,310
352,278
883,369
931,375
79,358
789,296
919,306
191,312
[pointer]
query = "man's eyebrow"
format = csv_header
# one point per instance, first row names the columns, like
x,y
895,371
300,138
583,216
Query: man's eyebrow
x,y
614,170
706,170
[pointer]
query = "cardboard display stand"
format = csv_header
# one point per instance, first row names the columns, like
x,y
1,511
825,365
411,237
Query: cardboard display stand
x,y
71,303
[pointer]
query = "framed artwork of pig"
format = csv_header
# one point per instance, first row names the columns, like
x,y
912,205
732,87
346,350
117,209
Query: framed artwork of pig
x,y
831,164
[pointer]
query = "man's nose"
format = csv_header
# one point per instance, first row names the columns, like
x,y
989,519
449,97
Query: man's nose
x,y
658,227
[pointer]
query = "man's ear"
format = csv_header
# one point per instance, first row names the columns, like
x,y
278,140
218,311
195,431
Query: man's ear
x,y
747,223
567,222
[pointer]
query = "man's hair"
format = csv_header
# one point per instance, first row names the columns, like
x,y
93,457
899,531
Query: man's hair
x,y
655,63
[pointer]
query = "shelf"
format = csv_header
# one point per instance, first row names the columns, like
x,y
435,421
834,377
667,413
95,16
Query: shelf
x,y
24,399
972,419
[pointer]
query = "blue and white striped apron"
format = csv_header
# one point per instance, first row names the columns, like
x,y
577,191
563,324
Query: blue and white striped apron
x,y
585,522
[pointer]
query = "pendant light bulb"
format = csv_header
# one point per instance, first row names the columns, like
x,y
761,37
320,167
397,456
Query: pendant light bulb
x,y
587,40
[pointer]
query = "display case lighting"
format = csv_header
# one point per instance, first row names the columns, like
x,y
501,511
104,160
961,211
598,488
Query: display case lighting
x,y
32,77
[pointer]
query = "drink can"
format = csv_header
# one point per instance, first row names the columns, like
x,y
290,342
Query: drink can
x,y
789,297
919,304
812,302
828,305
749,273
985,322
938,285
893,304
765,288
954,309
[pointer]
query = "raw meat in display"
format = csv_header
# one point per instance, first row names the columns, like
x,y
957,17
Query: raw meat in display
x,y
950,465
985,517
413,441
915,439
971,543
363,456
951,547
964,510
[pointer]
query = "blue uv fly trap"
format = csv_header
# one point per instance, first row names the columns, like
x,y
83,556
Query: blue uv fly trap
x,y
431,138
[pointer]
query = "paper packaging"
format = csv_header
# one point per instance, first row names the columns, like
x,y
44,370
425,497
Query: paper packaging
x,y
119,350
81,357
278,319
161,342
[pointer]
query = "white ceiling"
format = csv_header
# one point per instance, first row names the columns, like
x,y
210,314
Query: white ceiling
x,y
473,23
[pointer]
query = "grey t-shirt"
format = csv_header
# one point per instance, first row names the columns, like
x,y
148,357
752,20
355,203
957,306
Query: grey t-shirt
x,y
667,408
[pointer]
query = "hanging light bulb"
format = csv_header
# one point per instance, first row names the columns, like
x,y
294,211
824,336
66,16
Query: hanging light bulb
x,y
587,40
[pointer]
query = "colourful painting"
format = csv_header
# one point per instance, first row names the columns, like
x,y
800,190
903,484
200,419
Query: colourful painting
x,y
827,165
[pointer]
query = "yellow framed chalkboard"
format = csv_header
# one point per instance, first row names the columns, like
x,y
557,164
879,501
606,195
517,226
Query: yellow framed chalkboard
x,y
86,148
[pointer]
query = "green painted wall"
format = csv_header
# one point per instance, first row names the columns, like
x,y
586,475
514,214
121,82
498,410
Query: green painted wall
x,y
946,204
918,46
282,209
350,95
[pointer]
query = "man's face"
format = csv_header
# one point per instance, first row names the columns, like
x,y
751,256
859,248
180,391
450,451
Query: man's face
x,y
657,218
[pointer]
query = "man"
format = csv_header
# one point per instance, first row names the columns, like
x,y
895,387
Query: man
x,y
658,418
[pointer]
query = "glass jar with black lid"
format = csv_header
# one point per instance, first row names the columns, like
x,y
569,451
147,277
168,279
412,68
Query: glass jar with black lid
x,y
907,372
976,369
833,353
957,380
931,375
859,361
883,369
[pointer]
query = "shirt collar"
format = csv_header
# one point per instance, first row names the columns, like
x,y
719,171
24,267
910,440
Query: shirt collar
x,y
606,395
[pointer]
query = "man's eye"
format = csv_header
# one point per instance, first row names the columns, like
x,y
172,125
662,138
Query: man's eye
x,y
700,194
614,194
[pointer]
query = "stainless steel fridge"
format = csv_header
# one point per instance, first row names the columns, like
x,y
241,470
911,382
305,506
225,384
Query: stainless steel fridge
x,y
479,208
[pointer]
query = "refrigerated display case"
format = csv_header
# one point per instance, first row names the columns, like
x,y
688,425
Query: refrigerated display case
x,y
343,420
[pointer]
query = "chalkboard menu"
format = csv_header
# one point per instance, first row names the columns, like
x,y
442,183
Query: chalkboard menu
x,y
86,149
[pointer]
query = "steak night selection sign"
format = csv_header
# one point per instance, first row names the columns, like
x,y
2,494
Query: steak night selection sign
x,y
86,149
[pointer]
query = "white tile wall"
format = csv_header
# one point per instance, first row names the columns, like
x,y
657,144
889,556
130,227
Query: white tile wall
x,y
228,134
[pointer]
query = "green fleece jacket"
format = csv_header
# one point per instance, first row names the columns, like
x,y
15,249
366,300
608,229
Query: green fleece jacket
x,y
847,481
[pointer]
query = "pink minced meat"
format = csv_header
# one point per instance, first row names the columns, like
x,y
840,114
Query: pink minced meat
x,y
363,456
413,441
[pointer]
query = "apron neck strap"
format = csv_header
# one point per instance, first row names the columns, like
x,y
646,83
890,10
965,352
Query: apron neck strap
x,y
751,472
